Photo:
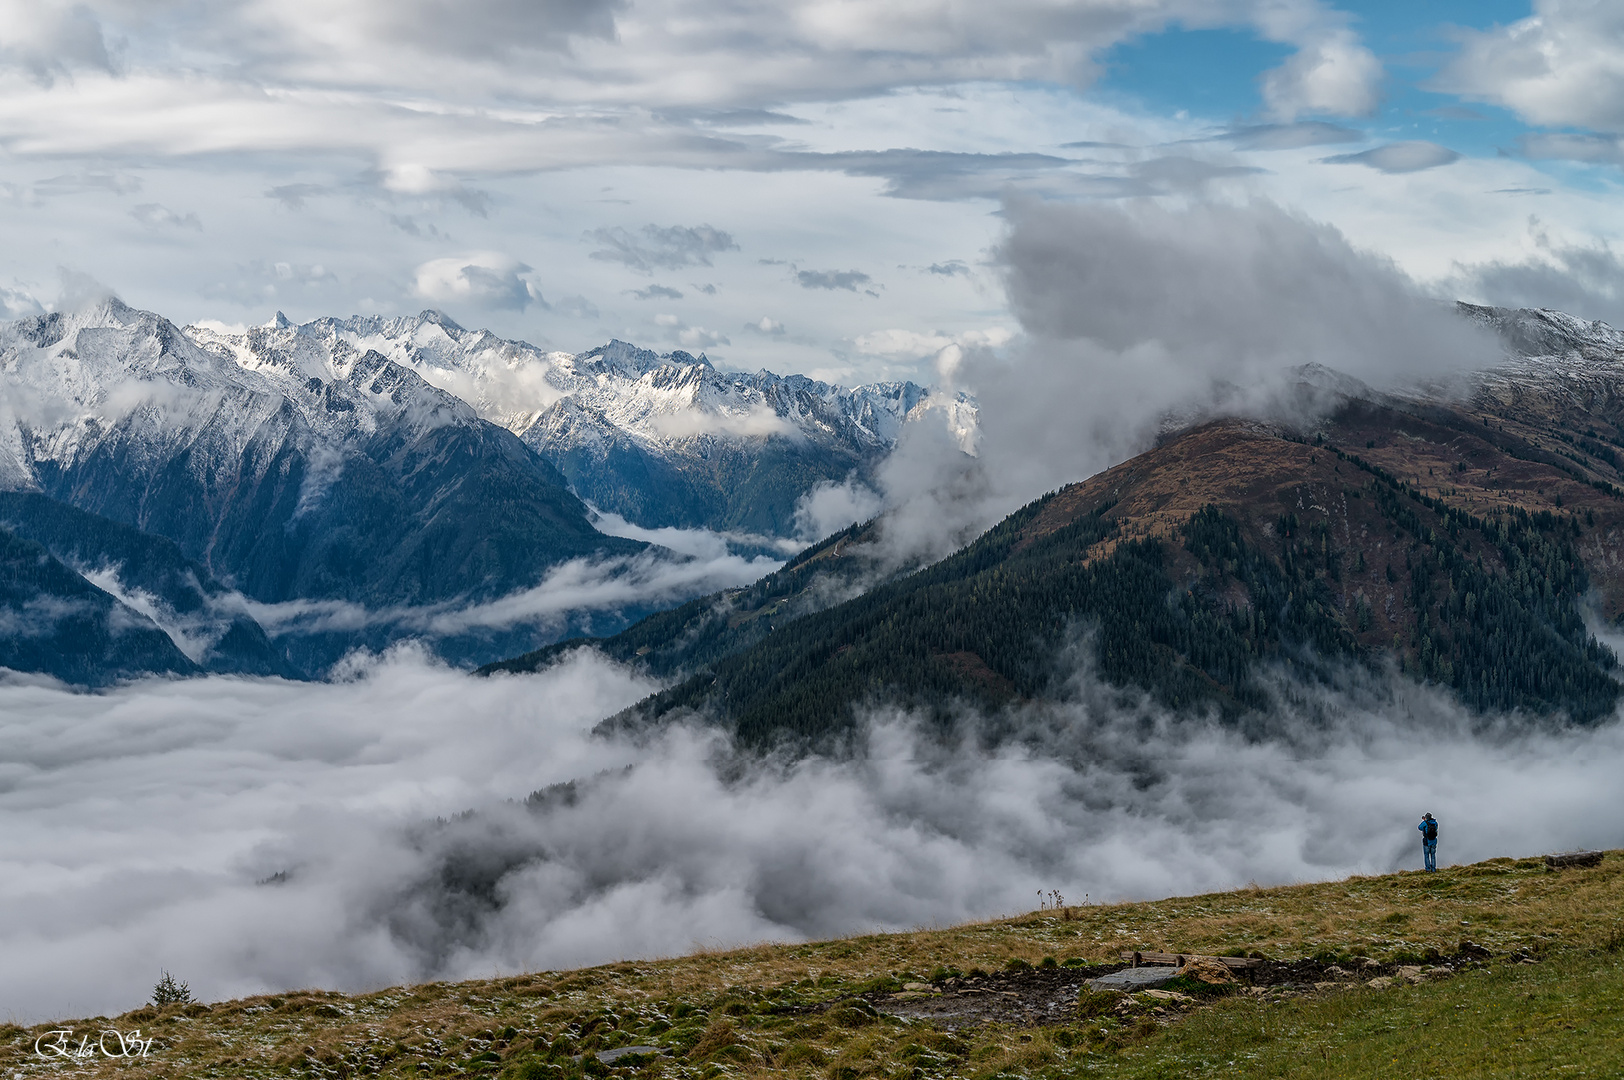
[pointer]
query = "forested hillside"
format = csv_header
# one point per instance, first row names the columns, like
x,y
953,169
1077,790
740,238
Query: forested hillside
x,y
1459,549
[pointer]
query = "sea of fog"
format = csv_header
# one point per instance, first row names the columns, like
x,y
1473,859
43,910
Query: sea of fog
x,y
252,835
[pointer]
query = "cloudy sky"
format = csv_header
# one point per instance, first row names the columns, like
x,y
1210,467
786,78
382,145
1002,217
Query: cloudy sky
x,y
807,185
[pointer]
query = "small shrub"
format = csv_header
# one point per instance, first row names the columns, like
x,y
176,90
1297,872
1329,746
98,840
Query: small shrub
x,y
1092,1003
1015,963
1049,962
800,1053
170,992
854,1014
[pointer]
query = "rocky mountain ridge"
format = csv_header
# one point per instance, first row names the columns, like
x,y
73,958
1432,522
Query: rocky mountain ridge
x,y
662,439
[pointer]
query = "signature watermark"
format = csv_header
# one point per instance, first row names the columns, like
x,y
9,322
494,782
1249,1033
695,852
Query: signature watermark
x,y
58,1043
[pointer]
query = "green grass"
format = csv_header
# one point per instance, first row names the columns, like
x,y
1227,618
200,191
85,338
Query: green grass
x,y
1558,1018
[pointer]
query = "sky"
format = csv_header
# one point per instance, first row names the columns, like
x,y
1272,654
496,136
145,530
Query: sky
x,y
817,186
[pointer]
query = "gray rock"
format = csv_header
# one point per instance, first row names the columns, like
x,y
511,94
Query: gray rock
x,y
610,1056
1139,978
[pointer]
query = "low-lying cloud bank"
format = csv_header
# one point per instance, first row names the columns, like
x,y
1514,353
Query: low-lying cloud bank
x,y
253,835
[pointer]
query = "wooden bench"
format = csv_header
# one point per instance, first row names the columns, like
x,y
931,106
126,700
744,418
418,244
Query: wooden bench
x,y
1140,958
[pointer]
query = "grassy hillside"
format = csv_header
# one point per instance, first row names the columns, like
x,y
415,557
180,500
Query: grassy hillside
x,y
1499,969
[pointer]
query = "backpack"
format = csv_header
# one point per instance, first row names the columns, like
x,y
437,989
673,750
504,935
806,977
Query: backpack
x,y
1432,831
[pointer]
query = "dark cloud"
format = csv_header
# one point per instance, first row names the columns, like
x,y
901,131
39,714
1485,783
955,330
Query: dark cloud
x,y
409,225
934,174
831,279
654,292
1399,157
1587,281
293,196
1184,173
1290,136
1573,146
76,183
654,246
733,117
951,268
485,28
576,306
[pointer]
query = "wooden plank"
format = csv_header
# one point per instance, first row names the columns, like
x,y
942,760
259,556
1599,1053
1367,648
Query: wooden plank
x,y
1180,959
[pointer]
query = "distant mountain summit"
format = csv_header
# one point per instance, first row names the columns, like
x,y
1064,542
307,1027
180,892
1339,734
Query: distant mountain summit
x,y
661,439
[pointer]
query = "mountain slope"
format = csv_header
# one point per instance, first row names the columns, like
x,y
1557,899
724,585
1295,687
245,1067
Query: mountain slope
x,y
150,574
1461,540
292,472
54,622
1183,570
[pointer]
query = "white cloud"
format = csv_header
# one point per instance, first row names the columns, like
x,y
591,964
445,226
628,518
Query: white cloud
x,y
1562,66
1136,316
1334,75
946,351
705,564
19,304
483,279
758,421
830,507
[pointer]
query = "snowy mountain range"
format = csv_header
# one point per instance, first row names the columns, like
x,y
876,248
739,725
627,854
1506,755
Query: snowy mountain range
x,y
381,465
662,440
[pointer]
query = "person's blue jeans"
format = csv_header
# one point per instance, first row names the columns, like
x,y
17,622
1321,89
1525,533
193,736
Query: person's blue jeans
x,y
1429,849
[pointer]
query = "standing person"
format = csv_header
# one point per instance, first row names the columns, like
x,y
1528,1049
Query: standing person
x,y
1429,840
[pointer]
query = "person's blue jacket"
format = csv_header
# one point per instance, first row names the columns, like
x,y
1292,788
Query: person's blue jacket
x,y
1423,828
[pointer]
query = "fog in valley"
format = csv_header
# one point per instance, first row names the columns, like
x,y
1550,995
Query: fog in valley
x,y
261,835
